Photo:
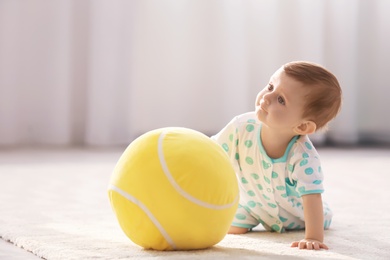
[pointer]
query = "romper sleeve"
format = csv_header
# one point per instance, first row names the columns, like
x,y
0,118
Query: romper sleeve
x,y
227,138
307,170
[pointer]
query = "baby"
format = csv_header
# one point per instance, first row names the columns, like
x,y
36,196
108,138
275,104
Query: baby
x,y
277,167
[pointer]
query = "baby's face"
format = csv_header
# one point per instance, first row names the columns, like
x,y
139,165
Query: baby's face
x,y
280,104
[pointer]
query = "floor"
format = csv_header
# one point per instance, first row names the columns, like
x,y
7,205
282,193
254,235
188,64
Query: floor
x,y
9,251
90,223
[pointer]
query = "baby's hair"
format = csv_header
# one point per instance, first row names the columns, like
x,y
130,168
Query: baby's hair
x,y
324,98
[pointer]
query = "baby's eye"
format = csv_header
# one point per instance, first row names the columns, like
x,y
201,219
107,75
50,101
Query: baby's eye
x,y
281,100
270,87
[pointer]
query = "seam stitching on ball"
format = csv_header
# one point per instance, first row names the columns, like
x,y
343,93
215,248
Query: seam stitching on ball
x,y
147,212
177,186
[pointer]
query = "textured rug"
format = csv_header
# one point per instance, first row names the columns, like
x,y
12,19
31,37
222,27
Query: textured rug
x,y
54,204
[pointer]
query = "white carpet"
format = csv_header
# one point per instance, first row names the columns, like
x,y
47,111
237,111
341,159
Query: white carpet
x,y
54,204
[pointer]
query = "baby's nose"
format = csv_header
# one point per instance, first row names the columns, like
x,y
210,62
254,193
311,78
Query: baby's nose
x,y
266,99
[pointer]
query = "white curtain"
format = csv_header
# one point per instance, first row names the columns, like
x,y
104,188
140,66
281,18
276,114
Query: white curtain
x,y
77,72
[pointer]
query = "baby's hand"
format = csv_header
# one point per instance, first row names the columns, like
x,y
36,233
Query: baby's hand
x,y
309,244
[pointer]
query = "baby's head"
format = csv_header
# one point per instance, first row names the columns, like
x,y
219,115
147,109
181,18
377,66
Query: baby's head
x,y
324,95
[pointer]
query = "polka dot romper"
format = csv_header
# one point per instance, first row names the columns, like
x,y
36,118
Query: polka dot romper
x,y
271,189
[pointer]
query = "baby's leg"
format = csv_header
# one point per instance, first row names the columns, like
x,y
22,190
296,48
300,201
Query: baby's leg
x,y
237,230
328,214
243,221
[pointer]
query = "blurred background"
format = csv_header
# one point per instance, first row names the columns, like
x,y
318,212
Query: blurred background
x,y
100,73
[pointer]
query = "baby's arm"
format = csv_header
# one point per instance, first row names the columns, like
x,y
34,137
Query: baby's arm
x,y
314,223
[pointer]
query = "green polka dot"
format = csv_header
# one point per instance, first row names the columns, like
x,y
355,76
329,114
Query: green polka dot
x,y
309,171
290,167
291,225
303,162
249,160
251,204
317,182
308,145
274,175
275,227
259,204
255,176
248,143
326,224
250,128
271,205
231,137
240,216
251,121
266,197
259,187
237,156
284,195
267,179
283,219
305,155
251,193
243,180
319,169
225,147
265,164
280,187
237,142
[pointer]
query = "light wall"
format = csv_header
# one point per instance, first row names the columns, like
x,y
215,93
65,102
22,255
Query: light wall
x,y
103,72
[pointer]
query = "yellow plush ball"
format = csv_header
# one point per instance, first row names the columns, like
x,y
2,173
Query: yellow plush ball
x,y
174,189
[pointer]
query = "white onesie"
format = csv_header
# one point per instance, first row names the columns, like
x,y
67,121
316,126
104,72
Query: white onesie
x,y
271,189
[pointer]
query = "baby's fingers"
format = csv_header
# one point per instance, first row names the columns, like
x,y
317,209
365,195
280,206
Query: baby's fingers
x,y
324,246
310,245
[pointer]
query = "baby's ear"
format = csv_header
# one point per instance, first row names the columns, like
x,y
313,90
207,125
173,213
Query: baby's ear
x,y
305,128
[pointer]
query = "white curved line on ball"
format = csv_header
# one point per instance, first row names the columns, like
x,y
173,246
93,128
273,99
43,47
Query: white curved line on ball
x,y
177,186
148,213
